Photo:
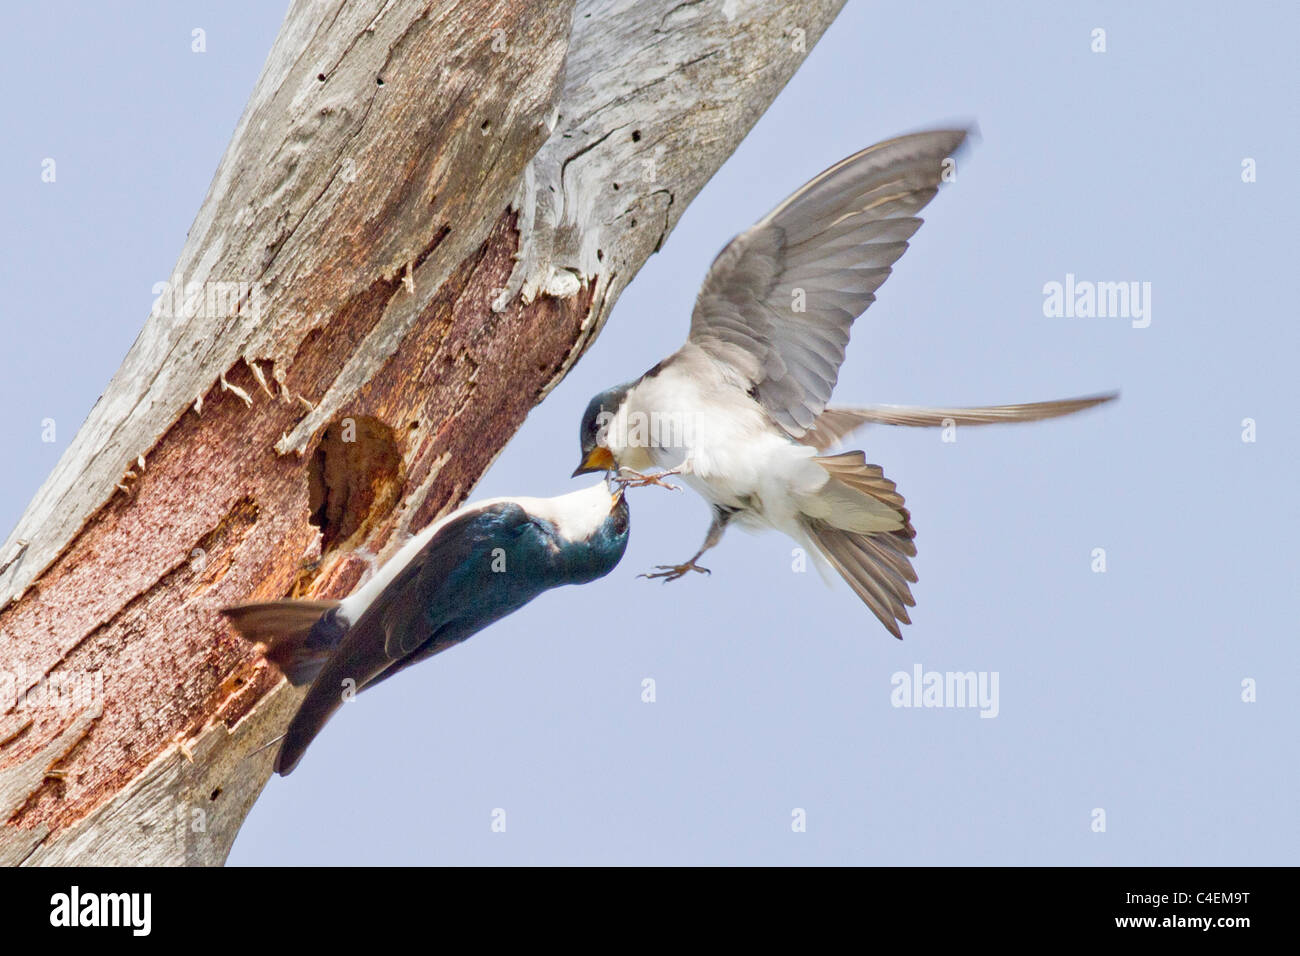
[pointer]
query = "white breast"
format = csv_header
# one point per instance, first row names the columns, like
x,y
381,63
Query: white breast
x,y
734,454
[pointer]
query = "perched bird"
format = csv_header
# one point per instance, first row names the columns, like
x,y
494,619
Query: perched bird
x,y
740,411
457,576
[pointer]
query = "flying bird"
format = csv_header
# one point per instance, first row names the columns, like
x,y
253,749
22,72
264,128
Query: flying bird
x,y
457,576
740,411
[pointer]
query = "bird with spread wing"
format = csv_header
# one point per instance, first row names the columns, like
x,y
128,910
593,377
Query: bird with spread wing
x,y
741,410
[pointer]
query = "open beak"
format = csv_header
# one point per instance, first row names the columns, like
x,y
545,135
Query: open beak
x,y
598,460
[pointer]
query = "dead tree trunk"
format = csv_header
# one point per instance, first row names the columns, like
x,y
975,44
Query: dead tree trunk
x,y
425,215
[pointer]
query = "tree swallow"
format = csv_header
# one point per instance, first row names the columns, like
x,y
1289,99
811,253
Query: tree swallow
x,y
740,411
457,576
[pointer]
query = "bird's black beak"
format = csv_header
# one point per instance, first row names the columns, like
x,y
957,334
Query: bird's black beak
x,y
598,459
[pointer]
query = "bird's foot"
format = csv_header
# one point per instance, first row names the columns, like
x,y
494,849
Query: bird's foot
x,y
627,478
671,572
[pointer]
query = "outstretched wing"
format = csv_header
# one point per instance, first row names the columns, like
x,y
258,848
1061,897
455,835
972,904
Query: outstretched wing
x,y
780,299
403,622
835,424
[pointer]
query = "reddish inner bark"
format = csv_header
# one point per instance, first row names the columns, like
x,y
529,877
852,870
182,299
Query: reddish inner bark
x,y
218,518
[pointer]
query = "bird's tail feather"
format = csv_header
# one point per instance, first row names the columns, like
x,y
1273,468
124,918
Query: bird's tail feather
x,y
837,423
858,497
875,566
860,526
297,636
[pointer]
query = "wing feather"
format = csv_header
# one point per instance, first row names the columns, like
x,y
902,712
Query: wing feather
x,y
779,301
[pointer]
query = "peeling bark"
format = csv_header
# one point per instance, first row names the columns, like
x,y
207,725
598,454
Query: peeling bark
x,y
424,218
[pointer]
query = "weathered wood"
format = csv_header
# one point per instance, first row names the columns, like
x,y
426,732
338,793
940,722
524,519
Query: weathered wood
x,y
423,219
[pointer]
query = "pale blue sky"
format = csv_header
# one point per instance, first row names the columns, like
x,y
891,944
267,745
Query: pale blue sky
x,y
1119,690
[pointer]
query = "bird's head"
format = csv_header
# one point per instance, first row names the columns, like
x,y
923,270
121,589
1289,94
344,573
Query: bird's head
x,y
591,528
596,454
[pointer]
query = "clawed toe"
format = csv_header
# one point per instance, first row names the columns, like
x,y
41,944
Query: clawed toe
x,y
671,572
634,479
